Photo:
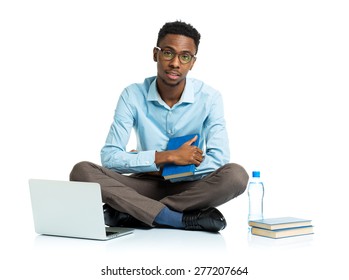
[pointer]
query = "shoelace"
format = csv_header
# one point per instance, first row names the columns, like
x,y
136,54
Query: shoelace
x,y
191,221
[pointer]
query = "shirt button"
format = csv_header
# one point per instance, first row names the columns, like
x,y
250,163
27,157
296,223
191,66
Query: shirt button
x,y
146,162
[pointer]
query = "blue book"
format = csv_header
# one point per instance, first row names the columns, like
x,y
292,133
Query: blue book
x,y
170,170
280,223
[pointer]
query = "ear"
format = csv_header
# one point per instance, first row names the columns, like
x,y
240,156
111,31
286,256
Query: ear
x,y
155,54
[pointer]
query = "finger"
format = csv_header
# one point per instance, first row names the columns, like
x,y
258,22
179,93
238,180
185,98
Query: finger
x,y
197,163
191,141
198,150
198,157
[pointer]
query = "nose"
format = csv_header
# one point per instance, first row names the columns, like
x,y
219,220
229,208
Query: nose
x,y
175,62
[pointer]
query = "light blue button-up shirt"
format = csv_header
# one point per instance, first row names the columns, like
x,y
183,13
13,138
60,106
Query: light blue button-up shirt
x,y
140,107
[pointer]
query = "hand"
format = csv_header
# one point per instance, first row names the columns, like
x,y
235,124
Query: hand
x,y
188,154
184,155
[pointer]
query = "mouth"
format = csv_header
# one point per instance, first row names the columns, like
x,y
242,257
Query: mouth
x,y
173,75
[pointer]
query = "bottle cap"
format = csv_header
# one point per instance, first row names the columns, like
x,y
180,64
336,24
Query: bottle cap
x,y
256,174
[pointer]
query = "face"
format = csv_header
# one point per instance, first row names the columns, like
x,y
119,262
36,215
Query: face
x,y
173,72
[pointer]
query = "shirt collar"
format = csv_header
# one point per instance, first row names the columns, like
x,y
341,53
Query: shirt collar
x,y
187,95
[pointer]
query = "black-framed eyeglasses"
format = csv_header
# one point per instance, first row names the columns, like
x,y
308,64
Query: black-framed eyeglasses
x,y
168,54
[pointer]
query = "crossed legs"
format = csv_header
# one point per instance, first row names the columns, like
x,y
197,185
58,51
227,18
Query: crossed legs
x,y
143,196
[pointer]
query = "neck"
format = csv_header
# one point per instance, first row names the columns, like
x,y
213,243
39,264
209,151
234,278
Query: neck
x,y
170,94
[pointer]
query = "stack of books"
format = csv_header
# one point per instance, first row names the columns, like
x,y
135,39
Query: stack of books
x,y
281,227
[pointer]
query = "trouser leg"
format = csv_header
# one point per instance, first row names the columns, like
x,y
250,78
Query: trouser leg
x,y
135,196
224,184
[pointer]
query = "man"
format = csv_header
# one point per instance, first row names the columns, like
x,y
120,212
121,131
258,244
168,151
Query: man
x,y
162,107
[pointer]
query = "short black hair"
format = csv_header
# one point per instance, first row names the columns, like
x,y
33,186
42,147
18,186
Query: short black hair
x,y
179,28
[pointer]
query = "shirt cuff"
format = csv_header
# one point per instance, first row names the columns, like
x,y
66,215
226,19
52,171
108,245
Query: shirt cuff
x,y
144,161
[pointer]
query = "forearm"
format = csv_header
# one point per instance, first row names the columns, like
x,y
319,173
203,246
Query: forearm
x,y
124,162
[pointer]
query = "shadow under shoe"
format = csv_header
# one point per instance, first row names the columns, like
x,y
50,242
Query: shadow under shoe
x,y
210,219
114,218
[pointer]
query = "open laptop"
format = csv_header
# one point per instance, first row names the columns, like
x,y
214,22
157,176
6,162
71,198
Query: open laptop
x,y
70,209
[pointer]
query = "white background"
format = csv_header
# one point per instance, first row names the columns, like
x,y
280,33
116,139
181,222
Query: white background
x,y
282,68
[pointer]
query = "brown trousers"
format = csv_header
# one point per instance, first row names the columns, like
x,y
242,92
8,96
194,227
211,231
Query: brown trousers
x,y
143,196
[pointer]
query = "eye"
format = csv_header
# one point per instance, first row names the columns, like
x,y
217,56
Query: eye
x,y
186,57
167,53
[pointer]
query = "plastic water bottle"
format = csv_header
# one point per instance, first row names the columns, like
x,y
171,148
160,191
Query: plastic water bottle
x,y
255,195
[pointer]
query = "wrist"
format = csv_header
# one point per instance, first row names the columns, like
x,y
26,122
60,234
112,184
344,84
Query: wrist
x,y
164,157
